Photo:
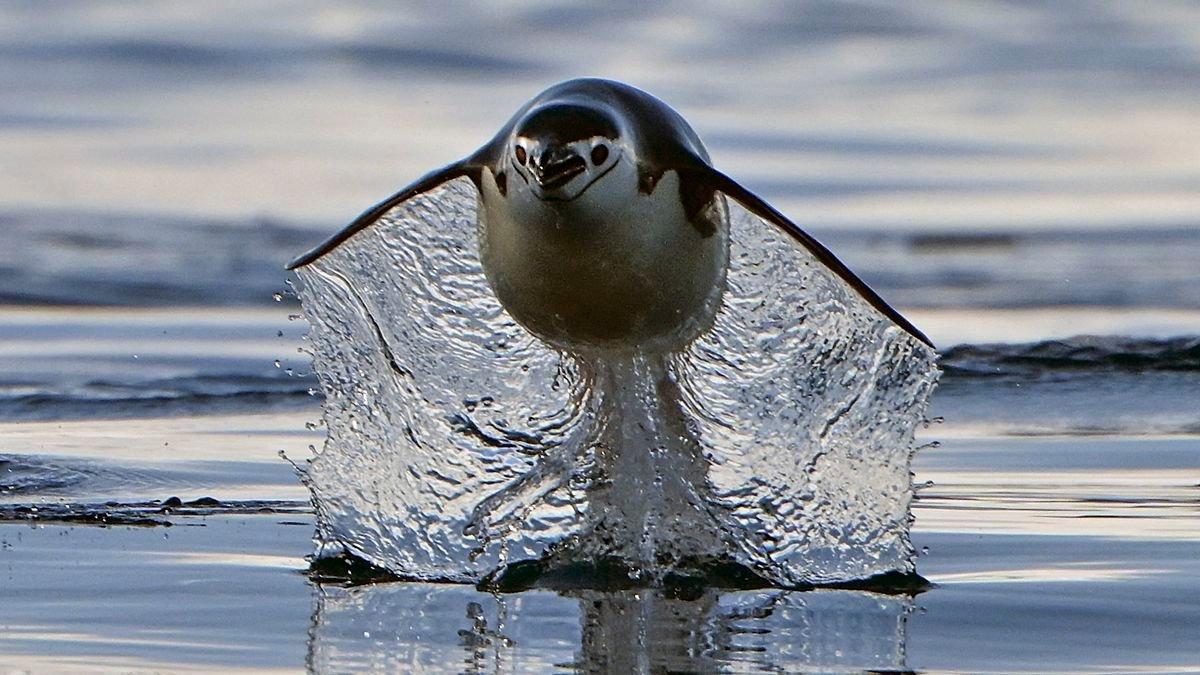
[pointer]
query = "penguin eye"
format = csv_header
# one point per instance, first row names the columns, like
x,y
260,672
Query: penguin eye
x,y
599,154
520,153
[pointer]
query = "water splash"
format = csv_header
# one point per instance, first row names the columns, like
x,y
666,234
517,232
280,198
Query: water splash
x,y
805,402
459,443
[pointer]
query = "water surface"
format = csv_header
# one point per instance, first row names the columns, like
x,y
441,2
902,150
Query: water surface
x,y
1019,178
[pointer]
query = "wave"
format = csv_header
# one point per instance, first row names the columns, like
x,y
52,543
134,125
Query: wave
x,y
1081,354
144,260
160,398
21,475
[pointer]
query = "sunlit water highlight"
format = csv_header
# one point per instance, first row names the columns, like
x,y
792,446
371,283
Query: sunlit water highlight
x,y
459,443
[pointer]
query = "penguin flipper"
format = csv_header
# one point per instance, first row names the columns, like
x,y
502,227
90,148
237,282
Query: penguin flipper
x,y
760,208
372,215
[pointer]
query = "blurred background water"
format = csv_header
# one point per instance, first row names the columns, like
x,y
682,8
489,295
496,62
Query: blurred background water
x,y
1021,178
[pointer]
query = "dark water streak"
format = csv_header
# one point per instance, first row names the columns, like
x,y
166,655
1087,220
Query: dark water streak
x,y
154,513
1081,355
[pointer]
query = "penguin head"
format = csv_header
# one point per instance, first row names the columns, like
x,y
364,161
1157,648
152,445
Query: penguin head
x,y
562,149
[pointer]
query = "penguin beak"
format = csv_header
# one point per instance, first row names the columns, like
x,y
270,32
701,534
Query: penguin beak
x,y
555,167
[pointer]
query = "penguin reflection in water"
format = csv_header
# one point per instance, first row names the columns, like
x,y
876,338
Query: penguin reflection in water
x,y
590,276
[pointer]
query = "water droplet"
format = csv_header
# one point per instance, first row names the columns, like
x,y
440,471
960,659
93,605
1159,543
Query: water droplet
x,y
278,297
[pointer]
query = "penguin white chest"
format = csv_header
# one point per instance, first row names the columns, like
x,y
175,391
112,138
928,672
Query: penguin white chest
x,y
613,268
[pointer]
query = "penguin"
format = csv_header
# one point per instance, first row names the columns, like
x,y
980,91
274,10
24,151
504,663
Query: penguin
x,y
602,222
584,344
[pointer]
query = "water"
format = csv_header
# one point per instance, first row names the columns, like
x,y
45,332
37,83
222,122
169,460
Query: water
x,y
1018,178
